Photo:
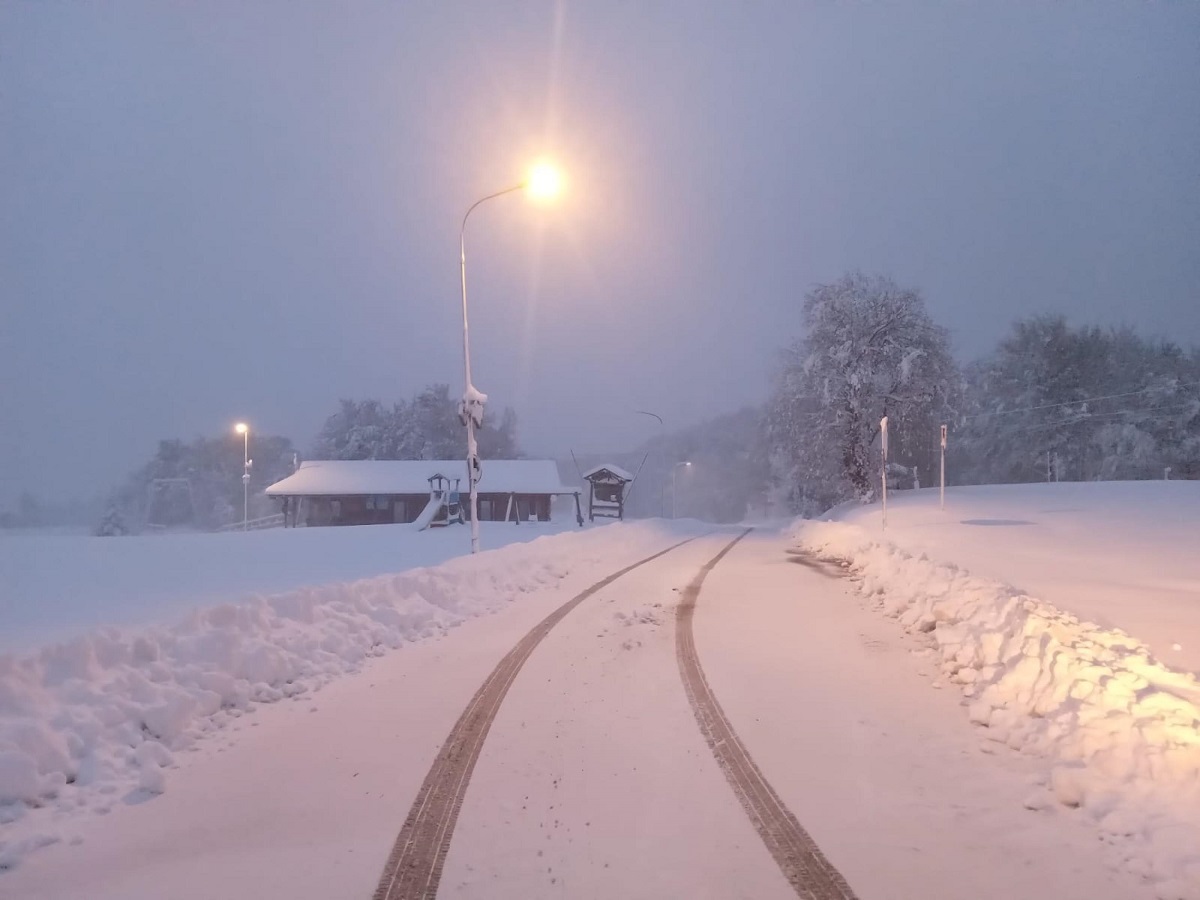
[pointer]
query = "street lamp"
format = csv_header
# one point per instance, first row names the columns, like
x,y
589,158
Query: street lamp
x,y
543,183
244,430
673,470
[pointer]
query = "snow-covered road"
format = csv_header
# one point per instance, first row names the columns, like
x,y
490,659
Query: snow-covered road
x,y
595,780
900,791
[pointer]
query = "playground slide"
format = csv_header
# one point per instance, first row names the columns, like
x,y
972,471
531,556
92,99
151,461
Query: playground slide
x,y
432,508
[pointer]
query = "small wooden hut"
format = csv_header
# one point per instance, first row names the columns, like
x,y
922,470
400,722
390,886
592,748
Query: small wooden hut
x,y
606,491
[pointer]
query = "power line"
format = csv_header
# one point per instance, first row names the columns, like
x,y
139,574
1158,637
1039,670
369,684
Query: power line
x,y
1100,419
1145,390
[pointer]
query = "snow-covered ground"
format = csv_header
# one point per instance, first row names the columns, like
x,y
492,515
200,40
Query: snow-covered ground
x,y
1056,665
272,745
595,780
99,716
56,586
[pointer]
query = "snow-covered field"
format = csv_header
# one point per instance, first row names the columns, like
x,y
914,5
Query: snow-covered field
x,y
57,586
1071,623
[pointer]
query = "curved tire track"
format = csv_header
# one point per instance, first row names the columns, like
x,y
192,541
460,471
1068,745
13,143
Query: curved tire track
x,y
803,864
414,867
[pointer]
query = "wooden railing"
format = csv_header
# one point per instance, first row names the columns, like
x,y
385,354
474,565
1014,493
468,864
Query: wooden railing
x,y
275,521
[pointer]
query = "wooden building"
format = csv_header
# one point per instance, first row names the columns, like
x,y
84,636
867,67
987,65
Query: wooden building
x,y
371,492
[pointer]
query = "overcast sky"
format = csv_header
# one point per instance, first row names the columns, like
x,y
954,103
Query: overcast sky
x,y
213,211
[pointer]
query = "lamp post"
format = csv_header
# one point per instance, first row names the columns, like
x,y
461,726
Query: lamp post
x,y
543,182
674,468
244,430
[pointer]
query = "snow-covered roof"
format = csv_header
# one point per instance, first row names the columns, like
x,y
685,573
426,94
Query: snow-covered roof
x,y
343,478
616,470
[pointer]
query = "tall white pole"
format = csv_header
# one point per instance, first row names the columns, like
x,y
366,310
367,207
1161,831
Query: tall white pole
x,y
471,409
467,403
942,493
883,432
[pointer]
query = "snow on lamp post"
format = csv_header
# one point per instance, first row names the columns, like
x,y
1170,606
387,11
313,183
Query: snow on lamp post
x,y
674,469
244,430
543,183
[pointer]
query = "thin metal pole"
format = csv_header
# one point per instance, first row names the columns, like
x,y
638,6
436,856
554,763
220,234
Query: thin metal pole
x,y
942,493
469,392
942,489
883,452
674,469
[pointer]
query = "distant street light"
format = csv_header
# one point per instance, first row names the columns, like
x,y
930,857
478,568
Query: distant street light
x,y
673,470
244,430
543,183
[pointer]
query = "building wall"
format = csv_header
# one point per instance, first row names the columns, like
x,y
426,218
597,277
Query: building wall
x,y
405,508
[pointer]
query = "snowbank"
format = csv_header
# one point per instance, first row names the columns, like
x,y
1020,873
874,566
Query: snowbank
x,y
1121,554
1122,731
86,722
58,587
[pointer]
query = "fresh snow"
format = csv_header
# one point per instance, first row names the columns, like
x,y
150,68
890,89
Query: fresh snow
x,y
1117,724
273,745
1120,554
57,586
97,718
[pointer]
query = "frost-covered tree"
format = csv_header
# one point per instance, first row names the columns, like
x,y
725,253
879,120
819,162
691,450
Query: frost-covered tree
x,y
1080,404
358,430
436,430
499,441
199,484
425,427
870,350
112,524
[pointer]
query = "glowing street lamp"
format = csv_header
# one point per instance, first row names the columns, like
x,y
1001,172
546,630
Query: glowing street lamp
x,y
675,468
244,430
542,183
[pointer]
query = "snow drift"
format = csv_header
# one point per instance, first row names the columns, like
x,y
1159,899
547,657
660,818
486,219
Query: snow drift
x,y
1121,730
85,722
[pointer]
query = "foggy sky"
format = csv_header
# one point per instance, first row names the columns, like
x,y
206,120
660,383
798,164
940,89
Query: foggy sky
x,y
222,211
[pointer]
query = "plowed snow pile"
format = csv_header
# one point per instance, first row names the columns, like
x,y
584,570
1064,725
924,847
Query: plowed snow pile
x,y
1120,730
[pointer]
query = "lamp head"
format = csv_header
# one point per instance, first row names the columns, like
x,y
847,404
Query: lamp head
x,y
544,182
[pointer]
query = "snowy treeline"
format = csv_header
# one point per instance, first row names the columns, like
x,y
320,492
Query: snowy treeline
x,y
198,484
1083,404
425,427
1051,402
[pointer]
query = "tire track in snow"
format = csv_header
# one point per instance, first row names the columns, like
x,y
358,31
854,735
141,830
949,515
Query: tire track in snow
x,y
414,867
803,864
